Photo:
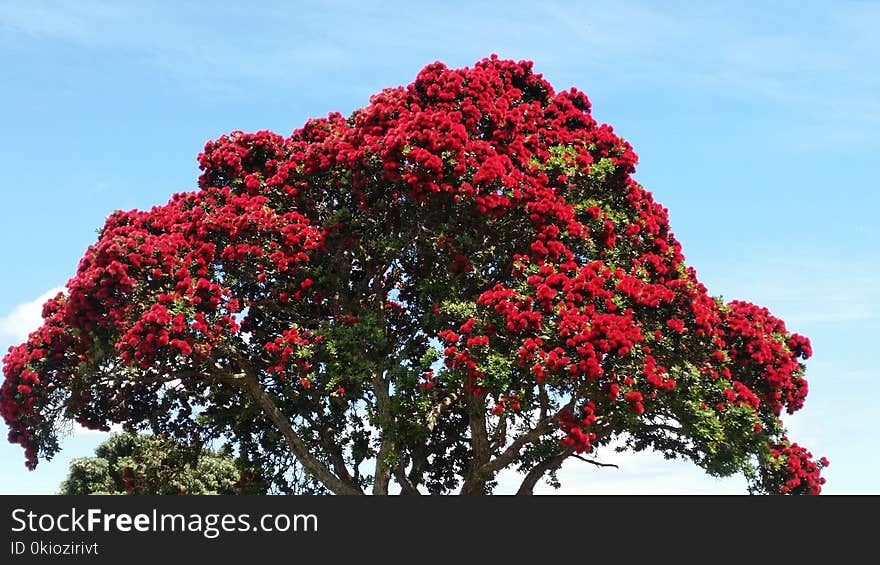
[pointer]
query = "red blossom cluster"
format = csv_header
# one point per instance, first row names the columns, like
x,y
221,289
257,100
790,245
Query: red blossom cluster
x,y
763,355
22,396
577,434
793,466
160,290
501,187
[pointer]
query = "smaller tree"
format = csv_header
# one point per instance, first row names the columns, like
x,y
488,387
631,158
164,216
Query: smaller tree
x,y
129,463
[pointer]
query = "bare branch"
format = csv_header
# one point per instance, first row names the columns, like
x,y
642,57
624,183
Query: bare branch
x,y
664,427
594,462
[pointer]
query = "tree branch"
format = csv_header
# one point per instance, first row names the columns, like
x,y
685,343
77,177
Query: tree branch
x,y
500,434
419,462
534,475
406,486
382,475
513,450
419,456
249,382
544,400
594,462
334,451
479,445
665,427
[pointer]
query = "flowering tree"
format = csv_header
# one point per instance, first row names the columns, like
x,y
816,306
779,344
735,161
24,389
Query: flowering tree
x,y
459,278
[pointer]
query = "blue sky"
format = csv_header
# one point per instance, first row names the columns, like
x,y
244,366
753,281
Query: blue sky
x,y
756,125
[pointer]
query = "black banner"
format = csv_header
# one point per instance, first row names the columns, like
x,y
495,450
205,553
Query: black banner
x,y
456,529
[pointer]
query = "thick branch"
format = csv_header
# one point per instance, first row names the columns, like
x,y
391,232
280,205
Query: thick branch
x,y
483,473
534,475
544,400
419,462
479,445
500,434
334,451
419,456
407,487
383,463
512,452
296,444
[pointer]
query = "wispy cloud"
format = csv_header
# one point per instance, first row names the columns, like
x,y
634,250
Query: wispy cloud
x,y
805,293
185,42
42,20
812,67
25,318
637,473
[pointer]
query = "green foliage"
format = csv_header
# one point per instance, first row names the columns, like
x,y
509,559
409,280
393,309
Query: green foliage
x,y
148,464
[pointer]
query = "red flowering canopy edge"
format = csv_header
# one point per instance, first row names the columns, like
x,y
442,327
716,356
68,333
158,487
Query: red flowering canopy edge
x,y
459,278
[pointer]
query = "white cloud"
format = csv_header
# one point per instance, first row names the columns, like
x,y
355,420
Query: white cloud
x,y
82,431
154,39
25,318
805,294
638,473
817,75
38,20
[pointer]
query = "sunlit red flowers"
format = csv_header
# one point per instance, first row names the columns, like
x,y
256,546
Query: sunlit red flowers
x,y
476,210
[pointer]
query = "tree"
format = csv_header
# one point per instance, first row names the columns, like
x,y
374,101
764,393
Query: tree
x,y
149,464
459,278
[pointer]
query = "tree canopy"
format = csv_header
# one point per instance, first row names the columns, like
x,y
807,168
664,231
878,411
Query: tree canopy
x,y
149,464
459,278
